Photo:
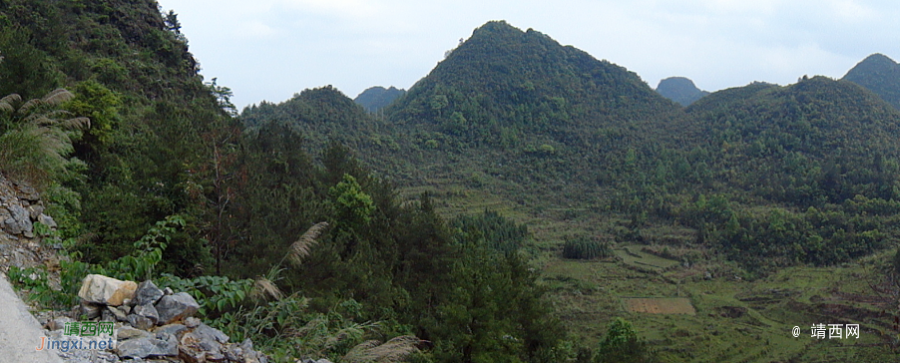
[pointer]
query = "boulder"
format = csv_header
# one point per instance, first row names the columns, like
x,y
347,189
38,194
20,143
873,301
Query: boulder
x,y
140,322
174,329
127,332
120,314
192,322
206,340
144,347
147,311
105,290
19,221
146,293
175,307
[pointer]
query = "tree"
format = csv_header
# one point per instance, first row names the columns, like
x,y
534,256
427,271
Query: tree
x,y
622,344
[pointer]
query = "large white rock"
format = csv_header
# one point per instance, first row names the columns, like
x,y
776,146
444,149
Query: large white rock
x,y
101,289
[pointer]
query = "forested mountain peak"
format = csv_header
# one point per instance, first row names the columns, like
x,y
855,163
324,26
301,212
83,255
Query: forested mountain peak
x,y
503,78
377,98
680,89
319,114
879,74
812,128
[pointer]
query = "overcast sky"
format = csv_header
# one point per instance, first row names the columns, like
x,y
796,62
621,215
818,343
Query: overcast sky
x,y
271,49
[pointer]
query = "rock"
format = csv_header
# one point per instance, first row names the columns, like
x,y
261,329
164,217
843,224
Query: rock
x,y
174,329
192,322
127,332
28,193
89,309
147,311
35,211
206,339
106,315
148,346
120,314
206,332
234,353
140,322
323,360
190,354
175,307
168,291
147,293
47,221
250,355
101,289
18,222
58,323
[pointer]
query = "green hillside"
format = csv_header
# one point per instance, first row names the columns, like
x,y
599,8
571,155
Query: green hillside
x,y
681,90
377,98
523,202
879,74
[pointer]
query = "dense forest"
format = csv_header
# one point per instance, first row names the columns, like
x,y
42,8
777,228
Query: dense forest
x,y
152,172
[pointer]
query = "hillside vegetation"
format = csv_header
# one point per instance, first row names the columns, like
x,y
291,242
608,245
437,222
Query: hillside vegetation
x,y
498,211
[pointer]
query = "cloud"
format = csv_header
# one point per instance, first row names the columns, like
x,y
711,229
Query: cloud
x,y
343,9
254,29
851,11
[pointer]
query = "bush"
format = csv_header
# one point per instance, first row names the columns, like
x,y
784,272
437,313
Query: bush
x,y
585,248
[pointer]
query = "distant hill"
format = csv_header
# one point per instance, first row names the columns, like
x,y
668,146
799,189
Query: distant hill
x,y
879,74
520,106
378,97
680,89
320,115
814,141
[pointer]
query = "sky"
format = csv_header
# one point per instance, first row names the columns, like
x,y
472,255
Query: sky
x,y
272,49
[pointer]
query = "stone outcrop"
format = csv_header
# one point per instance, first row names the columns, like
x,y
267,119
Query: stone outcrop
x,y
21,244
152,324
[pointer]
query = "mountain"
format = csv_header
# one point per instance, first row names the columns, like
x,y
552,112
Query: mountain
x,y
154,121
879,74
503,81
519,106
681,90
815,141
376,98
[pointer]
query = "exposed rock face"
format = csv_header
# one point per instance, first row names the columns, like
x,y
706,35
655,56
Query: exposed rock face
x,y
176,307
99,289
20,207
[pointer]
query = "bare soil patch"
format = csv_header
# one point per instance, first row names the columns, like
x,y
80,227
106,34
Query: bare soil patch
x,y
652,305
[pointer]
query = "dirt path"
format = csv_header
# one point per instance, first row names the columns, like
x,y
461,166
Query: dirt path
x,y
20,333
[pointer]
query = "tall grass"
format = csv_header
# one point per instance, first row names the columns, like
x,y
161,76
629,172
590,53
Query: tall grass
x,y
36,137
